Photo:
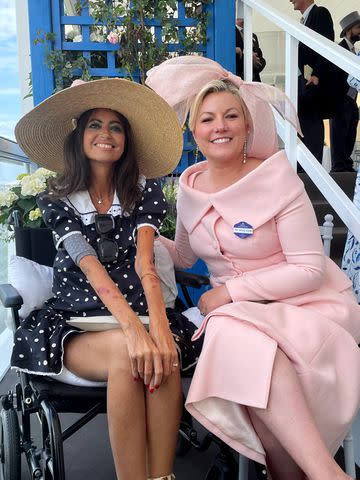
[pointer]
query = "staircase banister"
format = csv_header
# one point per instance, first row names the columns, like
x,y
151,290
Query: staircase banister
x,y
339,201
343,206
328,49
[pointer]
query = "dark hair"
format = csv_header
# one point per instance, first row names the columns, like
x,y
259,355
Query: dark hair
x,y
76,173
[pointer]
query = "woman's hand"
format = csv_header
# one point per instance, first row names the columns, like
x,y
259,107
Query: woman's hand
x,y
145,358
214,298
164,341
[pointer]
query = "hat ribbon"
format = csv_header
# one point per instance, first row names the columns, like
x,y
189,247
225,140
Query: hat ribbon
x,y
178,80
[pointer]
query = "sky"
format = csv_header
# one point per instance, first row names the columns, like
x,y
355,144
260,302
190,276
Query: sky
x,y
9,73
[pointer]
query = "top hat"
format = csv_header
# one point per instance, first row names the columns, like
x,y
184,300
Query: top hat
x,y
349,21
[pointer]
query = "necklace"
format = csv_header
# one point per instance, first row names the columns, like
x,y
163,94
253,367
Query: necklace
x,y
97,199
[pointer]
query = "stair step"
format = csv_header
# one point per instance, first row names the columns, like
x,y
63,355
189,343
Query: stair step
x,y
345,180
338,243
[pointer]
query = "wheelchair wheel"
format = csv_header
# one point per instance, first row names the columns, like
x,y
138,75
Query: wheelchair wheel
x,y
52,443
10,452
183,445
224,467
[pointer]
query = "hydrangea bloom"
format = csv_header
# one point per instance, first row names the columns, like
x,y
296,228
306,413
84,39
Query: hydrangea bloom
x,y
33,184
34,214
21,197
7,197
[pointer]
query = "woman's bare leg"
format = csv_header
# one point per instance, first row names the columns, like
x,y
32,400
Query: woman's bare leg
x,y
104,356
289,419
279,464
163,412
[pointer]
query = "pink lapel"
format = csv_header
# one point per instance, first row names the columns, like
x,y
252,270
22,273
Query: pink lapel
x,y
254,199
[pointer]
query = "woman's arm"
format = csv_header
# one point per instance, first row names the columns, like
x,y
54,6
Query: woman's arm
x,y
304,268
180,249
159,325
144,356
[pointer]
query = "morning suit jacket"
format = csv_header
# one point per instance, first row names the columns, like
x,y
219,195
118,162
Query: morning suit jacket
x,y
343,86
240,61
319,20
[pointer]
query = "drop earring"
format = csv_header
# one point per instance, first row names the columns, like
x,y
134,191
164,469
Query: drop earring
x,y
245,151
196,153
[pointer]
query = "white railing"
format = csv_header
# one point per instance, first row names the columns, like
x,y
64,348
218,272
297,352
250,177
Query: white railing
x,y
296,150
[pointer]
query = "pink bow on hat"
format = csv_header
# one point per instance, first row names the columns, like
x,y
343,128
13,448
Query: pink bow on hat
x,y
180,79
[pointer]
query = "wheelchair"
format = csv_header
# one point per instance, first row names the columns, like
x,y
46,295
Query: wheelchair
x,y
46,398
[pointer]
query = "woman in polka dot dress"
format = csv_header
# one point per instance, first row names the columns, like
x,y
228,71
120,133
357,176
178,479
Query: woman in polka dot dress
x,y
104,215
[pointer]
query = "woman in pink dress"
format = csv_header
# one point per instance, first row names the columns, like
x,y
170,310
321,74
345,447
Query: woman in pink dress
x,y
278,376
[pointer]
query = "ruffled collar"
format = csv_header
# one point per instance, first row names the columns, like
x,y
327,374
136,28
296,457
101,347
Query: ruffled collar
x,y
254,199
83,206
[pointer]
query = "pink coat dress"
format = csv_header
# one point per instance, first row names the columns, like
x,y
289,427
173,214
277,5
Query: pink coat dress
x,y
312,317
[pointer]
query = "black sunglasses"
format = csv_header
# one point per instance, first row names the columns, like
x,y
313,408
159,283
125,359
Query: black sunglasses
x,y
107,247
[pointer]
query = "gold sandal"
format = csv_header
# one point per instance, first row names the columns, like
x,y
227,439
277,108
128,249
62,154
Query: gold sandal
x,y
166,477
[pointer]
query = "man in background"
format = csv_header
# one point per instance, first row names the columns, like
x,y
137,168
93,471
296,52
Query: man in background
x,y
317,99
259,61
343,125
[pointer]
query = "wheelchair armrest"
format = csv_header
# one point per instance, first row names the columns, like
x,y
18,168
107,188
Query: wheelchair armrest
x,y
190,279
9,296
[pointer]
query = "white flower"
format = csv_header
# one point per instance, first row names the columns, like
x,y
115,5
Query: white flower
x,y
96,37
44,173
36,183
171,192
77,38
7,197
34,214
5,235
32,185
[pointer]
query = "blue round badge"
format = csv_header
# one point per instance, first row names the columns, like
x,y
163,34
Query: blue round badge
x,y
243,230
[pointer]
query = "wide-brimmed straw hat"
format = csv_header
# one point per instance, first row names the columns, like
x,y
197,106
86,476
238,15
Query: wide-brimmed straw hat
x,y
157,133
348,22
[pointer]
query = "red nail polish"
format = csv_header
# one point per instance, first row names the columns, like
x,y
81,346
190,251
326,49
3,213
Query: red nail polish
x,y
151,390
157,386
135,379
147,386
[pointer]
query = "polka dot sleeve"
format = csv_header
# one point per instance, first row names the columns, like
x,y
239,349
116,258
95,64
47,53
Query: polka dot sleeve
x,y
59,217
151,210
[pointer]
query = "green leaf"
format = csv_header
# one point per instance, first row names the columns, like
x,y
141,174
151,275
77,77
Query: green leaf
x,y
27,204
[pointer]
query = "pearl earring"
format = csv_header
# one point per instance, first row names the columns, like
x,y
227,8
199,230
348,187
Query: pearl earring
x,y
245,151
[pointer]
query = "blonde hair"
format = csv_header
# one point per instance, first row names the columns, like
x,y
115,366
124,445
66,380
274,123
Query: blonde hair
x,y
217,86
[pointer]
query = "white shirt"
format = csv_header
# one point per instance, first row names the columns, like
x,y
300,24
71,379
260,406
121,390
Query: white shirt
x,y
306,12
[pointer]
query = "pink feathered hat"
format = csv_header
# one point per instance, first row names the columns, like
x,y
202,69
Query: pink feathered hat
x,y
180,79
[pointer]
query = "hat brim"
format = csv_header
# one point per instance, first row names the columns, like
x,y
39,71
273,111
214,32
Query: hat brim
x,y
157,132
343,33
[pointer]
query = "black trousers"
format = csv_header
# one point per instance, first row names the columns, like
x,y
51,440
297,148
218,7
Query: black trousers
x,y
310,118
343,136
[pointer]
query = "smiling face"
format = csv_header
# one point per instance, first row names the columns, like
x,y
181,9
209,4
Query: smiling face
x,y
220,127
104,137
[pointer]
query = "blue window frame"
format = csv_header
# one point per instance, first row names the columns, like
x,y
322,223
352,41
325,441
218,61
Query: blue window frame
x,y
49,16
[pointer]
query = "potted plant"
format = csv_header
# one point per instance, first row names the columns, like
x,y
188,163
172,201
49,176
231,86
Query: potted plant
x,y
20,217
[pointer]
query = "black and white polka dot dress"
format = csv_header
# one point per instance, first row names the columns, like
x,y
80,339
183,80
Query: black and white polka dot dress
x,y
38,342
